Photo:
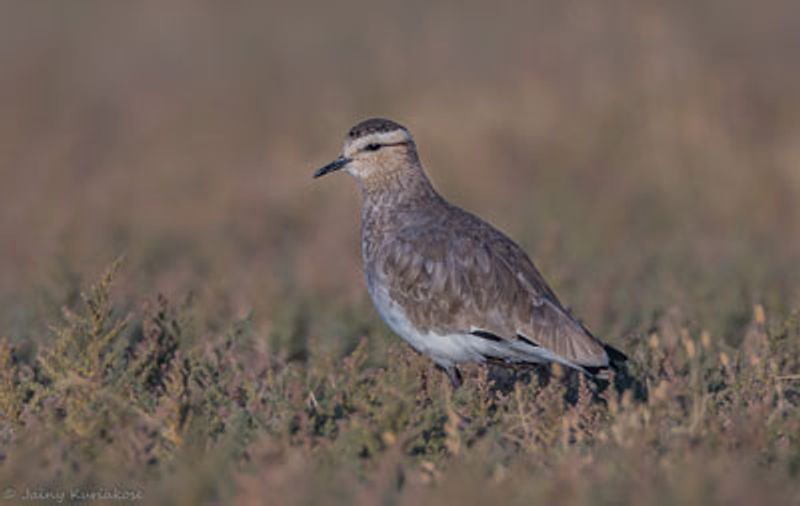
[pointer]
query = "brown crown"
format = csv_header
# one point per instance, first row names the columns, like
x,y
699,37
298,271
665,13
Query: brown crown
x,y
373,125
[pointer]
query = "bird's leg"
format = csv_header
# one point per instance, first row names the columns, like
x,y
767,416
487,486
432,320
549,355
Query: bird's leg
x,y
455,381
454,374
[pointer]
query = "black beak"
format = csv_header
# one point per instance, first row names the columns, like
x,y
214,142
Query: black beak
x,y
332,167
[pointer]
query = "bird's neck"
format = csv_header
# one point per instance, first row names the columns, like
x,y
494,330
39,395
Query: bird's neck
x,y
398,188
395,201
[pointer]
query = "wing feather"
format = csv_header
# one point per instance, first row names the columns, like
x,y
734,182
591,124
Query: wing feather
x,y
462,274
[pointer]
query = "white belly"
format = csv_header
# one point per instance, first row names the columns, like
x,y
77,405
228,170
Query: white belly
x,y
444,349
448,350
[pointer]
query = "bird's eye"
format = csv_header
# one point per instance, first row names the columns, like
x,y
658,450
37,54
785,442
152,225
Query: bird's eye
x,y
372,147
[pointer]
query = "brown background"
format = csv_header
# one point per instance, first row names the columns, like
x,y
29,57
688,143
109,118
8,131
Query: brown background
x,y
645,154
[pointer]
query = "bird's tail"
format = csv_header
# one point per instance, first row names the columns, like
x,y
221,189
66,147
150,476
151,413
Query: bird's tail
x,y
617,362
616,359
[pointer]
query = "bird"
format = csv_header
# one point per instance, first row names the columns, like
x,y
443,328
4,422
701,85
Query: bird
x,y
451,285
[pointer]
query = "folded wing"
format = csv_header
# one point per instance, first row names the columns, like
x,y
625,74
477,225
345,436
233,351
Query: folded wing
x,y
463,276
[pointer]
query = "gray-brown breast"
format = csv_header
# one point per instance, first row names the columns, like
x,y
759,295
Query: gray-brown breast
x,y
454,273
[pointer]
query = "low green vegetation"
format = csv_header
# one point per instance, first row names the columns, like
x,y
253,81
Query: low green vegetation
x,y
137,403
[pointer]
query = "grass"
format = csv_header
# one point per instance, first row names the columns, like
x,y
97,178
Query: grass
x,y
645,155
134,402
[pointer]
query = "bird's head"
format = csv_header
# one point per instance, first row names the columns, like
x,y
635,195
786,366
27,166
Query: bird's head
x,y
374,150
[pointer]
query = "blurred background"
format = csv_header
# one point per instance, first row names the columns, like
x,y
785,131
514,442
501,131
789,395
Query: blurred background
x,y
647,155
